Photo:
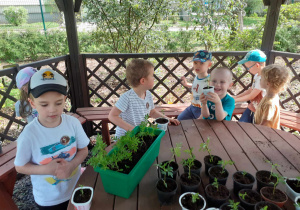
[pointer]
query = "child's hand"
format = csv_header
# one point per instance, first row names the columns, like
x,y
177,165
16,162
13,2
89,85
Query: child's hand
x,y
203,99
64,169
183,81
213,97
174,121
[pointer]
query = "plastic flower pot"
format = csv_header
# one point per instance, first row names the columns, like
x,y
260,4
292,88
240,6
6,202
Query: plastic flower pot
x,y
266,191
262,204
162,123
250,199
225,206
208,164
189,185
82,206
183,200
166,197
262,182
175,167
196,169
216,197
217,169
123,185
208,89
289,189
297,200
242,182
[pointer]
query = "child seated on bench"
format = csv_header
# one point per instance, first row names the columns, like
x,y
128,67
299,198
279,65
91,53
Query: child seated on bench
x,y
273,79
131,108
218,105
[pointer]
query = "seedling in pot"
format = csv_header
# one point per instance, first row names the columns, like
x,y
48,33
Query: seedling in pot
x,y
81,189
195,197
264,208
243,195
166,170
278,179
190,161
244,173
216,184
298,181
176,151
233,205
224,163
273,166
297,204
205,147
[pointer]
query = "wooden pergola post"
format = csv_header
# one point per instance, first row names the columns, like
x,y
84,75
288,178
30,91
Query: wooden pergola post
x,y
270,27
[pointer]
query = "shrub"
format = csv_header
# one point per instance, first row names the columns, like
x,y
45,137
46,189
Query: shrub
x,y
253,6
287,38
15,15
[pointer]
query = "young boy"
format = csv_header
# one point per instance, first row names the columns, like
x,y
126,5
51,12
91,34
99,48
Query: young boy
x,y
131,108
273,79
52,147
218,105
254,62
201,64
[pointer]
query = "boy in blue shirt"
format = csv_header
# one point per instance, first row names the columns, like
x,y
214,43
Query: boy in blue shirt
x,y
218,105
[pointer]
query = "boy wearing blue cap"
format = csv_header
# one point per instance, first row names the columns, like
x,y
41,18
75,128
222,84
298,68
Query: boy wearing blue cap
x,y
254,62
201,64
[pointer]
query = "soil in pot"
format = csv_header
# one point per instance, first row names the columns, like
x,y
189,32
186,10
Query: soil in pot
x,y
166,194
215,172
249,201
262,204
264,180
189,185
278,195
209,164
82,196
187,203
196,168
226,206
174,165
241,181
161,120
216,197
293,185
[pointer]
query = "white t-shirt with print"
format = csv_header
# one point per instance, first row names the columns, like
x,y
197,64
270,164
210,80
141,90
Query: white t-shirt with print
x,y
39,145
198,85
133,109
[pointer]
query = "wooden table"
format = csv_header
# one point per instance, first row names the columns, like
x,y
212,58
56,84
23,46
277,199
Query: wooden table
x,y
246,144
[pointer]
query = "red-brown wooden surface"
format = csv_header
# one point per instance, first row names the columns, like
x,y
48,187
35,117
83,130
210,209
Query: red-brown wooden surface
x,y
246,144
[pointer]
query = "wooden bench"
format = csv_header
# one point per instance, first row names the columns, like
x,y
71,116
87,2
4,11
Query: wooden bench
x,y
8,172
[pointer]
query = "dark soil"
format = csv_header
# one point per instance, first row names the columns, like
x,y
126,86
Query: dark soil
x,y
293,185
208,87
278,196
171,185
251,197
216,172
221,193
161,120
238,177
82,196
186,201
229,208
214,162
127,165
197,165
189,182
269,205
264,176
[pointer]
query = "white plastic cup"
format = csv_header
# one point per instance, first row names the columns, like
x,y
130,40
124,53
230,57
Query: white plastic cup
x,y
82,206
298,197
191,193
206,91
162,126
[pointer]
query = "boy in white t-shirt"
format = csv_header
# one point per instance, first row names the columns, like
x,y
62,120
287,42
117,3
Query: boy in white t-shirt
x,y
254,62
51,148
131,108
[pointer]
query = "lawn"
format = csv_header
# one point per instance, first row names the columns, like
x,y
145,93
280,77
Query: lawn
x,y
34,26
248,21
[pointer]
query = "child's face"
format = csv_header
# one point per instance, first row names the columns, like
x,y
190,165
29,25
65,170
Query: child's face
x,y
253,67
149,80
221,81
50,106
201,68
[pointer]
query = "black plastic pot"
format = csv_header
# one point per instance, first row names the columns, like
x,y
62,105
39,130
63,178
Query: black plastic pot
x,y
197,169
270,205
174,165
237,186
226,206
245,204
208,164
216,202
166,197
261,183
220,180
189,188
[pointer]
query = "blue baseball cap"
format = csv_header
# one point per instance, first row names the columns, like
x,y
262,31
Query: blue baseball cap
x,y
254,55
202,55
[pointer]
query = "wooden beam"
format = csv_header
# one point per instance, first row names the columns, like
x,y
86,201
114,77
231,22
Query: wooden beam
x,y
77,5
270,27
60,5
268,2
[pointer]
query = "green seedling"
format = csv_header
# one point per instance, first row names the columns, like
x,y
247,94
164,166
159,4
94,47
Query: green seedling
x,y
176,151
81,189
195,197
297,204
190,161
278,180
298,181
224,163
233,205
166,170
243,195
273,166
216,184
264,208
244,173
205,147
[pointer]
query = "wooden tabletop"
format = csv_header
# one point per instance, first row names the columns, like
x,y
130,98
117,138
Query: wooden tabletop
x,y
246,144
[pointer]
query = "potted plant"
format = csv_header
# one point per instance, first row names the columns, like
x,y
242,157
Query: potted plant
x,y
209,160
249,198
292,187
176,151
166,187
189,181
125,165
297,203
208,88
231,206
162,123
264,178
219,172
265,205
196,166
82,197
274,195
216,194
191,200
242,180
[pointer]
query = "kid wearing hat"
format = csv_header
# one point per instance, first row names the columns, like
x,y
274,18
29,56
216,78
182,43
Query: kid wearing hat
x,y
201,64
22,106
51,148
254,62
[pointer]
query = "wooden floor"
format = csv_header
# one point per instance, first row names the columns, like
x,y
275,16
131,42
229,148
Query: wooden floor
x,y
246,144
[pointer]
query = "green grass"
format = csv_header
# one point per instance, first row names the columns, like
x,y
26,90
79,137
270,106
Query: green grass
x,y
248,21
34,26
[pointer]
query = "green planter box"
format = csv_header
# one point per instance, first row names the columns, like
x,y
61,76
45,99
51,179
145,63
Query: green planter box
x,y
123,185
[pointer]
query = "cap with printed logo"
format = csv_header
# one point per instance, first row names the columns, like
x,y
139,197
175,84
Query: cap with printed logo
x,y
202,56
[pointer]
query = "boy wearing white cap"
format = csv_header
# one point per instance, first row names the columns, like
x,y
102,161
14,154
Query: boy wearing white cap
x,y
52,147
254,62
